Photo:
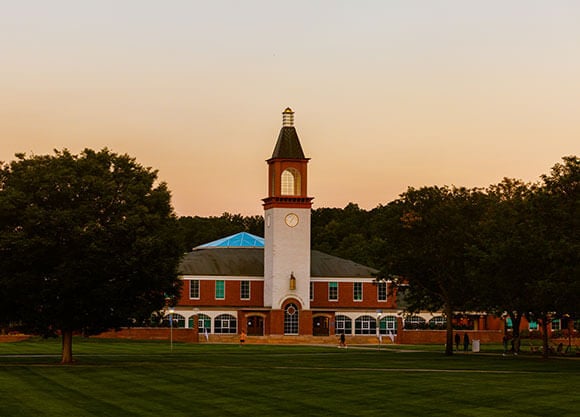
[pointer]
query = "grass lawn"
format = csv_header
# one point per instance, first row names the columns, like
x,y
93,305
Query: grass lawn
x,y
127,378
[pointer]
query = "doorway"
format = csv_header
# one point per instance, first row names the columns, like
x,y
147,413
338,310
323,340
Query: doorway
x,y
255,326
320,326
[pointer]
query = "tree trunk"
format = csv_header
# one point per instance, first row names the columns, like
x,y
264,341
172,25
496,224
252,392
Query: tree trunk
x,y
67,356
449,335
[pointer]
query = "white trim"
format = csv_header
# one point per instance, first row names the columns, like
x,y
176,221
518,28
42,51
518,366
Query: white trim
x,y
254,278
220,278
342,279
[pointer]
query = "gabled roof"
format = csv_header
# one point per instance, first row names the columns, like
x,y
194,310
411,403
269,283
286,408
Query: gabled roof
x,y
239,240
288,145
249,261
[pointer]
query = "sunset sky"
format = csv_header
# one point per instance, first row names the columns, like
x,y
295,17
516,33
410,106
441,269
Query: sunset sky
x,y
386,94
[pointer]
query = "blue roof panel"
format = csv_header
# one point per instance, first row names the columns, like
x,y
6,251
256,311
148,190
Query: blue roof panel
x,y
239,240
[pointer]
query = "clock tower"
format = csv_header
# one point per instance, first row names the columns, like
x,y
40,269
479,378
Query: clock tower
x,y
287,225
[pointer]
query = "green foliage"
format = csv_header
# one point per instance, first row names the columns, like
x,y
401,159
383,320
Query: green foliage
x,y
87,242
527,258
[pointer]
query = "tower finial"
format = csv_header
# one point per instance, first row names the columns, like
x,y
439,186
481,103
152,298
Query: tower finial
x,y
287,117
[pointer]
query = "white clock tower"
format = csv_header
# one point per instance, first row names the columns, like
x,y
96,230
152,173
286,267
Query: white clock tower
x,y
287,223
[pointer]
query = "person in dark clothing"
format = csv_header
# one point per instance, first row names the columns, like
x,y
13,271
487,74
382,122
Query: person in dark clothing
x,y
457,341
465,342
505,341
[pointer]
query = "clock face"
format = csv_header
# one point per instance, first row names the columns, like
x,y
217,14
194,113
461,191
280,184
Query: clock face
x,y
291,220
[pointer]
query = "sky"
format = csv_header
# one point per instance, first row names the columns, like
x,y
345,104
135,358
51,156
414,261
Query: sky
x,y
387,94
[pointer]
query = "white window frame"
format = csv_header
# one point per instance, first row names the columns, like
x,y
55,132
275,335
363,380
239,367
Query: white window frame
x,y
329,291
380,285
249,290
354,291
191,288
216,286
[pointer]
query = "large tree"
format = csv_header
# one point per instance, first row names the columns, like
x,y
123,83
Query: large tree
x,y
528,253
436,227
508,253
87,243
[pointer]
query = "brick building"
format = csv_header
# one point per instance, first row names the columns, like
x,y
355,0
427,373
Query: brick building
x,y
277,285
278,289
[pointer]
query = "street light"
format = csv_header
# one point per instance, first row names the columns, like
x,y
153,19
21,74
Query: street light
x,y
195,324
379,336
171,311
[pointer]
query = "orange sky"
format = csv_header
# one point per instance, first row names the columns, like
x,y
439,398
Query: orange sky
x,y
386,94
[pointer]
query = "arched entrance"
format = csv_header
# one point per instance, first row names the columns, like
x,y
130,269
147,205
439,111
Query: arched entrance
x,y
321,326
255,325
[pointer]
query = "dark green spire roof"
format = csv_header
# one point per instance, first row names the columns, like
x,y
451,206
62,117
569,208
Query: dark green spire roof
x,y
288,145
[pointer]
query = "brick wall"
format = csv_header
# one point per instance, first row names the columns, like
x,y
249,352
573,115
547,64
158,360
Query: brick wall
x,y
152,333
418,337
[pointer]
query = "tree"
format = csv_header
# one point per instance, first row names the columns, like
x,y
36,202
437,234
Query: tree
x,y
435,229
197,230
507,254
87,243
528,254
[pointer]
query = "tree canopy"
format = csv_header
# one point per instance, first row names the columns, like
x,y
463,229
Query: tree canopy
x,y
435,228
88,242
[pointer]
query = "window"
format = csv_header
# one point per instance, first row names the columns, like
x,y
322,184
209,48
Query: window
x,y
556,324
333,291
415,322
357,291
382,291
220,290
533,325
311,291
291,319
342,324
365,325
388,325
203,323
174,320
245,290
290,182
225,323
438,322
194,289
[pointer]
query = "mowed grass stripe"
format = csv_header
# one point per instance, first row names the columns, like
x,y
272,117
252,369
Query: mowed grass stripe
x,y
143,379
53,393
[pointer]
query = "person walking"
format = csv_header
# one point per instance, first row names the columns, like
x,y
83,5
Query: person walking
x,y
242,338
465,342
342,340
457,341
505,341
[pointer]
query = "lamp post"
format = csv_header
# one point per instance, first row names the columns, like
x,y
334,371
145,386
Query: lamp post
x,y
171,311
379,313
195,324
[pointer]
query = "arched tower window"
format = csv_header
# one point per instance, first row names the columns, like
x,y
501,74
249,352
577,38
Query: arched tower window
x,y
290,182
